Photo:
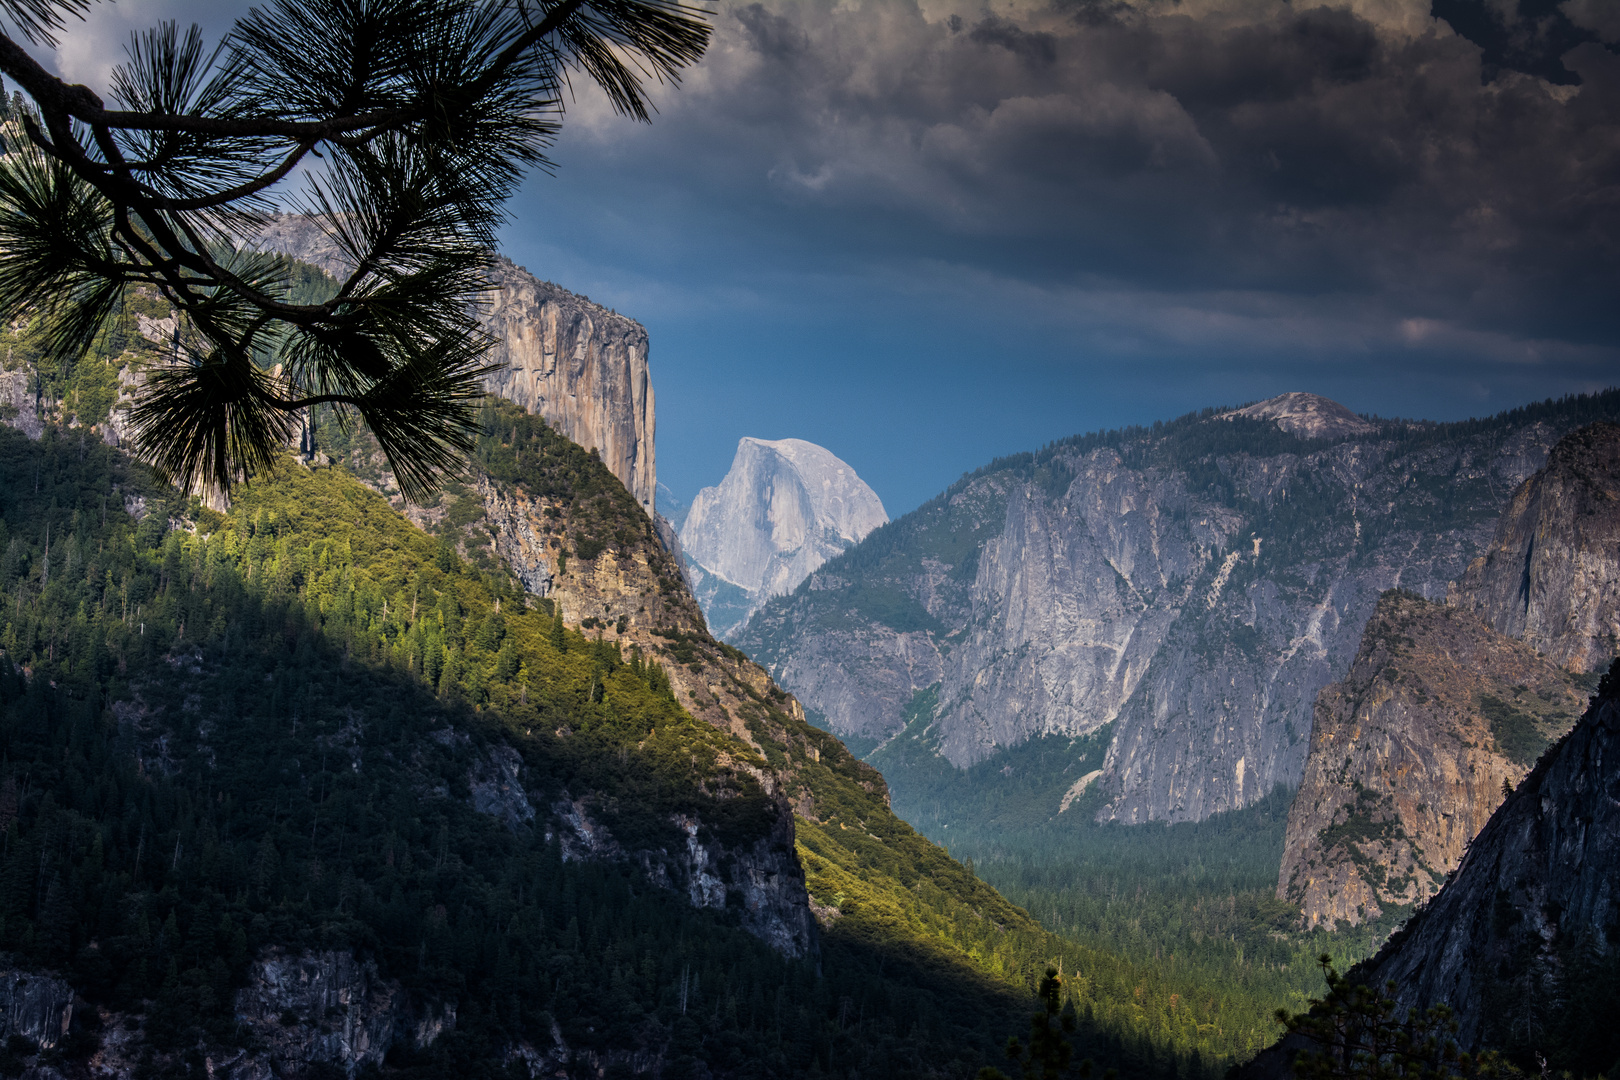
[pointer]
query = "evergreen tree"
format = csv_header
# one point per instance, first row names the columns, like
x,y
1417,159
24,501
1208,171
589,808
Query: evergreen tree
x,y
1048,1054
1355,1033
422,115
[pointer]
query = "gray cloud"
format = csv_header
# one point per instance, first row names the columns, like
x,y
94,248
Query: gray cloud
x,y
1360,147
1024,218
1292,148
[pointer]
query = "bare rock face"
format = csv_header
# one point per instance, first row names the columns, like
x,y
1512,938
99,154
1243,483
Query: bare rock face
x,y
1410,753
1551,575
19,404
35,1006
1194,585
577,364
1307,415
785,508
618,590
762,881
297,1011
330,1007
302,237
1541,876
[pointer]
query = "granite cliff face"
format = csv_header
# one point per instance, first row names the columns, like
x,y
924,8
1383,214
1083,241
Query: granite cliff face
x,y
1195,584
1551,576
1410,754
328,1006
1539,886
19,403
580,366
35,1006
577,364
783,509
1308,416
299,1014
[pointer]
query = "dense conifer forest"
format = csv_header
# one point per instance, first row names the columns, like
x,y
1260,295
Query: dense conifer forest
x,y
223,732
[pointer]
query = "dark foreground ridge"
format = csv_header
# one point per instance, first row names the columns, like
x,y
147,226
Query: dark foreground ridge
x,y
1520,943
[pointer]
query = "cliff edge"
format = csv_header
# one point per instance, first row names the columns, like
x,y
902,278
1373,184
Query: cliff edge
x,y
1551,576
580,366
1409,756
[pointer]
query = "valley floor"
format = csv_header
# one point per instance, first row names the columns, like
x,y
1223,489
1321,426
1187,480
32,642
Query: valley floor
x,y
1189,908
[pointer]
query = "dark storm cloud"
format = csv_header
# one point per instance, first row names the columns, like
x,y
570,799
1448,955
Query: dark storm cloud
x,y
1529,36
1037,48
1220,156
1291,149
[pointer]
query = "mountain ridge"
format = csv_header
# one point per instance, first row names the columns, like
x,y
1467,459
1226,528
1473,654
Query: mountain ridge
x,y
1193,583
580,365
784,507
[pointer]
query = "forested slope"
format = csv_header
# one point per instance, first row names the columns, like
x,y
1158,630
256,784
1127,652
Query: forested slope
x,y
306,729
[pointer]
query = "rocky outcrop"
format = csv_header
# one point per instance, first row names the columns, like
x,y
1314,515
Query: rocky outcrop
x,y
297,1011
1309,416
1410,754
1541,878
36,1007
310,1007
623,592
496,785
783,509
763,882
19,403
1195,585
577,364
1551,575
302,237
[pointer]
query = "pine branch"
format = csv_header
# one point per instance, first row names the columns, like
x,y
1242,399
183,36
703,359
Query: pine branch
x,y
425,114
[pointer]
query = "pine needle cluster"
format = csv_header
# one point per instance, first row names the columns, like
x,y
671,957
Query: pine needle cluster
x,y
401,125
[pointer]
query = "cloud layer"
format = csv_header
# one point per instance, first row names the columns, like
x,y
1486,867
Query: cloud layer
x,y
1363,149
1123,208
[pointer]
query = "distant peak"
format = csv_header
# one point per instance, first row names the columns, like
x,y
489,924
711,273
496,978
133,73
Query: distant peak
x,y
785,508
1310,416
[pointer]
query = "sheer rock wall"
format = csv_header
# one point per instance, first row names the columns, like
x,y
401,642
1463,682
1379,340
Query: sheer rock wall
x,y
1551,576
579,365
1405,765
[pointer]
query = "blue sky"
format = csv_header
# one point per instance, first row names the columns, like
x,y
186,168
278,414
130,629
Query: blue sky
x,y
924,234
